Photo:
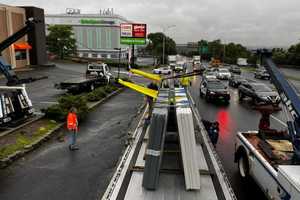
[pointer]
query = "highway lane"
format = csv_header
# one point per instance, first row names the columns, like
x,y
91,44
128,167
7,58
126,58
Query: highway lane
x,y
233,118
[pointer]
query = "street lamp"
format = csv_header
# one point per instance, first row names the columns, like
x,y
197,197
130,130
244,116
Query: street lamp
x,y
164,38
119,61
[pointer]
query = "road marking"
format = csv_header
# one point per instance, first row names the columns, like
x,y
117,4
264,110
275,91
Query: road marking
x,y
278,120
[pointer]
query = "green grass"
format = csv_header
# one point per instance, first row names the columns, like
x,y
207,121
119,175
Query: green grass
x,y
22,140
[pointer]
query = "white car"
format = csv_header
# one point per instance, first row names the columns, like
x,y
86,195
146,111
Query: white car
x,y
162,70
223,73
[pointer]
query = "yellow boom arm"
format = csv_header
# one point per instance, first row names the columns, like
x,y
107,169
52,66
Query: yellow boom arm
x,y
140,89
146,75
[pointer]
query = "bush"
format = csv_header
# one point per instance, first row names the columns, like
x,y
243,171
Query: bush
x,y
97,94
59,111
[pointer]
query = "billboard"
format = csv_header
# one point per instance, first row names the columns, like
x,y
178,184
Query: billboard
x,y
133,34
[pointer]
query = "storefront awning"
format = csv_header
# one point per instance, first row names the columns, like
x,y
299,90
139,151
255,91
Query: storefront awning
x,y
22,46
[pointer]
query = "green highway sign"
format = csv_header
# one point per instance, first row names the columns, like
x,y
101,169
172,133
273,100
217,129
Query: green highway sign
x,y
203,49
130,41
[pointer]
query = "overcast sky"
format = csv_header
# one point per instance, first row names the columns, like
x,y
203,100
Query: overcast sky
x,y
250,22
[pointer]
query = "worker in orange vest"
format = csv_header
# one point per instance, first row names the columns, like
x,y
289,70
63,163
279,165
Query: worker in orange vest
x,y
72,125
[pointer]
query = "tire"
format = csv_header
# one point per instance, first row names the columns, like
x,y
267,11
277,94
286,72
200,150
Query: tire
x,y
241,96
255,101
243,165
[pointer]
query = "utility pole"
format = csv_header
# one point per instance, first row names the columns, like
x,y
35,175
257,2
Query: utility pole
x,y
164,41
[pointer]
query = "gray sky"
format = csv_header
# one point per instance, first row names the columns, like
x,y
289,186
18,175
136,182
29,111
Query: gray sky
x,y
249,22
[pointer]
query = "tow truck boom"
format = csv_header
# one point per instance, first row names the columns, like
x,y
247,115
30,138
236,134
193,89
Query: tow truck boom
x,y
289,98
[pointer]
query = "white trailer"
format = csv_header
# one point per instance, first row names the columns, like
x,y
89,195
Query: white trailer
x,y
270,163
242,62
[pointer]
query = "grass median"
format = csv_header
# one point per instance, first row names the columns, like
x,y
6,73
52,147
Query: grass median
x,y
24,138
21,139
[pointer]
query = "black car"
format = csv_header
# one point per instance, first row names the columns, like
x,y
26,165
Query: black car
x,y
235,81
260,94
235,70
213,89
262,74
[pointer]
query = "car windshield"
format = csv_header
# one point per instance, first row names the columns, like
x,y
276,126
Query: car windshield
x,y
215,85
98,67
210,73
223,70
261,88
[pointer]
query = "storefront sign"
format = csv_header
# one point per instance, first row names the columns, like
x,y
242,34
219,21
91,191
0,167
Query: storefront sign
x,y
133,34
96,21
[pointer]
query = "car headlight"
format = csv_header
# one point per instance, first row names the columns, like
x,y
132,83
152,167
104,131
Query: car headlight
x,y
212,92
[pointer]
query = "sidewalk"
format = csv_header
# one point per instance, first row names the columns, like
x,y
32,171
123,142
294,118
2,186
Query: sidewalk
x,y
53,172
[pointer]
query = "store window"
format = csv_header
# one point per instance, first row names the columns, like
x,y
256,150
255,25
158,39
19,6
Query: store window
x,y
21,55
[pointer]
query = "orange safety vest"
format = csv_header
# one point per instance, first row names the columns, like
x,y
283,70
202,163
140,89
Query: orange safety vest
x,y
72,121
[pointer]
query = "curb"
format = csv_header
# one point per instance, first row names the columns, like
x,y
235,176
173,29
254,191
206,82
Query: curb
x,y
4,133
16,155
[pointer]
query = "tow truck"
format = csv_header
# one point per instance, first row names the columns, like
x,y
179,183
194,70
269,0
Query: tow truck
x,y
96,74
272,158
169,156
15,104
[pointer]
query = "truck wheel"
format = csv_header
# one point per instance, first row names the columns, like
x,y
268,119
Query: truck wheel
x,y
201,94
243,166
92,87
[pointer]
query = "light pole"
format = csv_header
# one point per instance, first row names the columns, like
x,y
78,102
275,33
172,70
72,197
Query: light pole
x,y
164,40
119,61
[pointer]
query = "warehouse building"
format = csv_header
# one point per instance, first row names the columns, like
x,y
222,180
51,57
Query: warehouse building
x,y
30,49
97,35
11,20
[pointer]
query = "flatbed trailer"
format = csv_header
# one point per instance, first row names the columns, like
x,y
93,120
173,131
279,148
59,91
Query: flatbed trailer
x,y
127,181
270,163
96,75
79,84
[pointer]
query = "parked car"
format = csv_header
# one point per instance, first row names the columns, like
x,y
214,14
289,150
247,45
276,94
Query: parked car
x,y
235,70
236,80
214,89
262,74
162,70
260,93
223,73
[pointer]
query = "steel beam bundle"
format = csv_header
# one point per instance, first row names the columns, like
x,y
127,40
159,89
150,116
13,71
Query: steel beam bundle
x,y
155,148
187,139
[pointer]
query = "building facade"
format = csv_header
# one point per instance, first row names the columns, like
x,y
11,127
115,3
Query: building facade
x,y
11,20
97,35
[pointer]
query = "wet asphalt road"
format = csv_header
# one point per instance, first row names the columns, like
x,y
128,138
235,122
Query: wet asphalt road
x,y
53,172
233,118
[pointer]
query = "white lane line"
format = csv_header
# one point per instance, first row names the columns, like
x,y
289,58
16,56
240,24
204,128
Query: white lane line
x,y
278,120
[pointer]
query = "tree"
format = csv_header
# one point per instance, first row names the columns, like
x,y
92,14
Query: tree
x,y
61,41
155,46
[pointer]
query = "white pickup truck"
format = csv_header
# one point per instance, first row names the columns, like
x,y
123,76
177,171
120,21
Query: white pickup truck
x,y
270,162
